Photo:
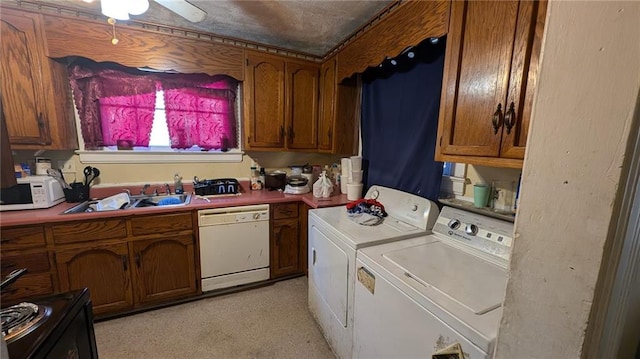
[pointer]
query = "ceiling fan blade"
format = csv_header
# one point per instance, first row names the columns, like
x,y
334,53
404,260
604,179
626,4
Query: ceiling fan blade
x,y
184,9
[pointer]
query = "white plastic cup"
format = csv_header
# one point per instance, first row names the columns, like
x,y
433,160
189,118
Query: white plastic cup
x,y
354,191
344,180
345,166
356,163
356,176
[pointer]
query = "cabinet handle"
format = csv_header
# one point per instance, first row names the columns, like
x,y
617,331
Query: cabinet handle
x,y
510,117
313,252
497,119
5,240
138,259
291,133
124,263
40,122
329,134
283,133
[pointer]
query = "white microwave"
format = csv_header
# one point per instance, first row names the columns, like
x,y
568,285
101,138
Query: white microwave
x,y
31,193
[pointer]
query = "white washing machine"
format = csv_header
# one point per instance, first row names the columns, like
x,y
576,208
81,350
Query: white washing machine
x,y
333,242
416,297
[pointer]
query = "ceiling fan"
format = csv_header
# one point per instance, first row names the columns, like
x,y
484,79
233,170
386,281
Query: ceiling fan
x,y
121,9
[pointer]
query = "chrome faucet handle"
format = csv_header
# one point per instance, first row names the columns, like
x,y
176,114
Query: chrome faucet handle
x,y
128,191
167,189
155,191
144,189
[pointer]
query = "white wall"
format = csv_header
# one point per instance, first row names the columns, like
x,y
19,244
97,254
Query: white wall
x,y
588,85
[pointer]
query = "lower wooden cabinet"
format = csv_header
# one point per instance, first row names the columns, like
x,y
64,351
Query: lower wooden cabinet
x,y
104,269
164,268
284,240
136,266
26,247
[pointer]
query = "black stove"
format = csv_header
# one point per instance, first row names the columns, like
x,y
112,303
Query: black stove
x,y
20,319
59,326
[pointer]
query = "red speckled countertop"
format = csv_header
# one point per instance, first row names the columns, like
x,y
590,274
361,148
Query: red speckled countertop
x,y
54,214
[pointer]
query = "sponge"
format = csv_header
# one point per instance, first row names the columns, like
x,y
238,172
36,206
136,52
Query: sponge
x,y
168,201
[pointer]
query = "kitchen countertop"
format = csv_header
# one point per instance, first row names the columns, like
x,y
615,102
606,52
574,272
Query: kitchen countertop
x,y
54,214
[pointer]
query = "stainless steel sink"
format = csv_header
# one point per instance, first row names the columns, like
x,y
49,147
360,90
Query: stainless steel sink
x,y
166,200
138,201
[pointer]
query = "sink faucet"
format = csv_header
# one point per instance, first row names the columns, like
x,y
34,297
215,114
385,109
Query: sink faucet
x,y
167,189
144,188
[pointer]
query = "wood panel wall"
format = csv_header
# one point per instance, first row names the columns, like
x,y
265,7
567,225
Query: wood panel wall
x,y
408,25
140,48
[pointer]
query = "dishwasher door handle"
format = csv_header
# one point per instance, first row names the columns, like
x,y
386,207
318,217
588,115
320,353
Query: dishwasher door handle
x,y
313,252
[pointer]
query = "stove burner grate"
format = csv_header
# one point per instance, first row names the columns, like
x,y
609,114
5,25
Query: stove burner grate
x,y
20,319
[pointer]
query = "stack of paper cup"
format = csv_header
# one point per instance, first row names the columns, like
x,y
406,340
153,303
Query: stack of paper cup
x,y
354,184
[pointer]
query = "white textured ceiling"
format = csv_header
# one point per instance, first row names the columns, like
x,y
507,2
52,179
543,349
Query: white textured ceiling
x,y
308,26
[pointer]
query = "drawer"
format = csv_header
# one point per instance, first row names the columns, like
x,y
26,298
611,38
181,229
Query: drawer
x,y
89,231
161,224
22,237
34,262
285,210
27,286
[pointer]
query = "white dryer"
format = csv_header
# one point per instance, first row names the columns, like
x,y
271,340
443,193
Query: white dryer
x,y
416,297
333,242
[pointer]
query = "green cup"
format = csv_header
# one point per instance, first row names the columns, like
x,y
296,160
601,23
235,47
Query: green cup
x,y
481,195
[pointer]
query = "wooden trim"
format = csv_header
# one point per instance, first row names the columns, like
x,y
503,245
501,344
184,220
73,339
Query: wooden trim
x,y
483,161
408,25
71,13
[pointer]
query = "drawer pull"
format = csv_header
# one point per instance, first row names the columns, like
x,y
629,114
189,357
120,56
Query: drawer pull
x,y
510,118
5,240
497,119
138,259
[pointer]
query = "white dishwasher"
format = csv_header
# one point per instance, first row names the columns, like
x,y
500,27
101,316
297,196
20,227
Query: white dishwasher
x,y
234,246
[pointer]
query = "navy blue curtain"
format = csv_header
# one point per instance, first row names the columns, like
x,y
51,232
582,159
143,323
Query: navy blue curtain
x,y
400,104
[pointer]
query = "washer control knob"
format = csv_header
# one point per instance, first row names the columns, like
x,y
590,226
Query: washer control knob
x,y
454,223
256,216
414,208
471,229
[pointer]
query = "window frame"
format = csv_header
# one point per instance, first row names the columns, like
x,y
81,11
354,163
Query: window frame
x,y
106,155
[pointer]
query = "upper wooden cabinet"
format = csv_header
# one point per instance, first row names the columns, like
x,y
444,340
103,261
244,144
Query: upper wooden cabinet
x,y
281,103
264,102
301,112
489,79
35,94
339,111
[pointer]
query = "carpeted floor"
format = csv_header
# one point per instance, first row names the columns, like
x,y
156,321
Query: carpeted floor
x,y
267,322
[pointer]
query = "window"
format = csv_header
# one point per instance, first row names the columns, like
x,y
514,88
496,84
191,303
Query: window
x,y
149,113
453,179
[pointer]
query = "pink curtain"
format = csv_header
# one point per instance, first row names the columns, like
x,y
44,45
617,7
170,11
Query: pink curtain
x,y
127,119
201,115
116,103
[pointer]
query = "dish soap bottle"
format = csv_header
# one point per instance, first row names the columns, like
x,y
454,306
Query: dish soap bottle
x,y
255,177
177,182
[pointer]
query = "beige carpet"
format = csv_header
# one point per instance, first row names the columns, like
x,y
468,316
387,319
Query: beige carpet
x,y
267,322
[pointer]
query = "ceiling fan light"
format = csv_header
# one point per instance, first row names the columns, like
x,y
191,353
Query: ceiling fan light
x,y
115,9
138,7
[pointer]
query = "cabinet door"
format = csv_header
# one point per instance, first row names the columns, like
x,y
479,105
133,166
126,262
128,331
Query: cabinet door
x,y
21,79
284,248
327,104
104,269
479,52
37,281
302,105
265,102
164,268
523,79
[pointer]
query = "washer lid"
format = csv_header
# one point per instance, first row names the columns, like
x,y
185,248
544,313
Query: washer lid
x,y
464,278
356,235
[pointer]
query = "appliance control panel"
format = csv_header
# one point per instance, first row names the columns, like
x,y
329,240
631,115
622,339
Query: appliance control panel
x,y
489,235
